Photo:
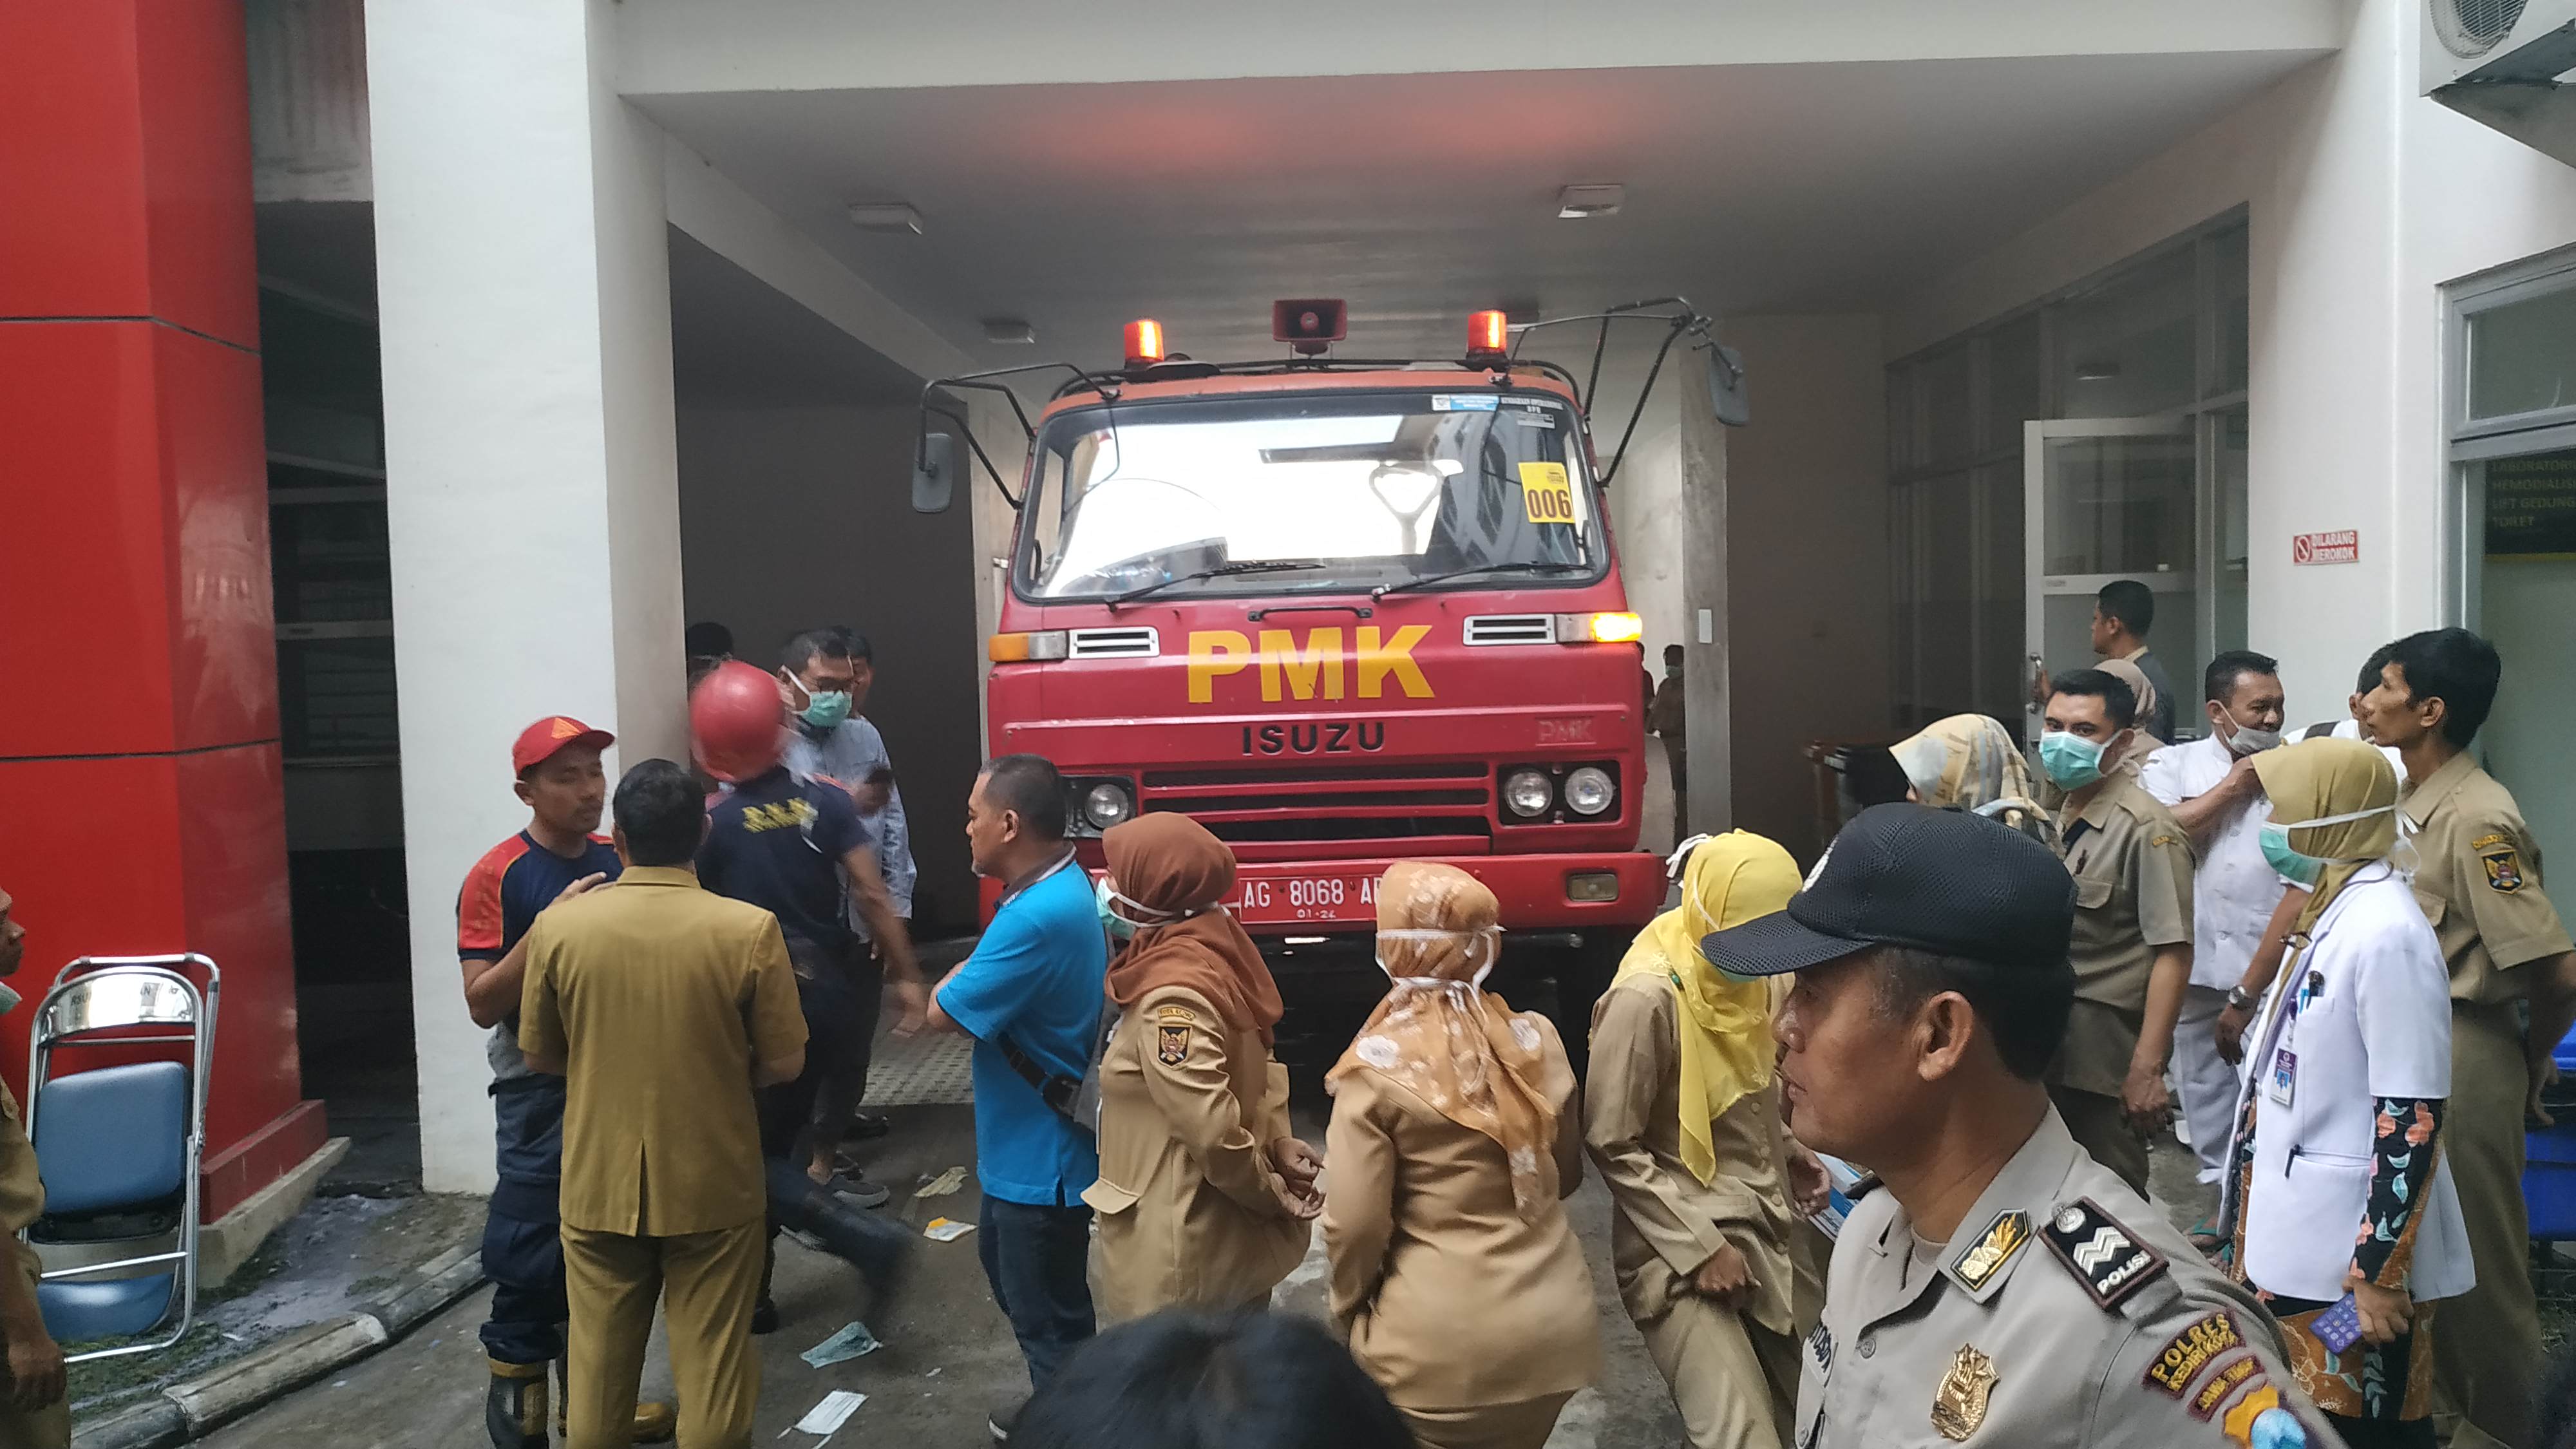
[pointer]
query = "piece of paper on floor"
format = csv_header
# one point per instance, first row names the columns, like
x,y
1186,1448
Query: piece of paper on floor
x,y
942,1230
832,1413
942,1185
852,1342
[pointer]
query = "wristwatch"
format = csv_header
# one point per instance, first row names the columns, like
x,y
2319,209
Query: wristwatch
x,y
2239,999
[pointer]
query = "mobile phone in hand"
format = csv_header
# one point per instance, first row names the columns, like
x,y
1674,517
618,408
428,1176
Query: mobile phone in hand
x,y
2339,1327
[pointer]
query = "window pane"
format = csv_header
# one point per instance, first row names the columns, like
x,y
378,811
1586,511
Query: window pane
x,y
2012,382
2228,251
2526,594
2119,505
1999,592
336,696
2522,356
1948,618
2128,345
1949,419
330,562
2234,531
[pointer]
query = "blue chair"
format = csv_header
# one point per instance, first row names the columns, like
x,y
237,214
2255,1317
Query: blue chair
x,y
118,1149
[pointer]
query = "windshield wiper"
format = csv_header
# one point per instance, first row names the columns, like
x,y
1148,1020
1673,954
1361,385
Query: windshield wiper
x,y
1382,590
1239,566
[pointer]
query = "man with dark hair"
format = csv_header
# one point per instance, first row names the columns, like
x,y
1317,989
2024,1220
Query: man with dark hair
x,y
2478,879
1931,952
827,674
661,1006
1189,1380
556,857
2351,726
1665,720
2122,613
2133,934
2210,786
1030,996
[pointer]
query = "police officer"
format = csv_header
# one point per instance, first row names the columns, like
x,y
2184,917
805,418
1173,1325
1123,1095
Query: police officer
x,y
2478,879
1995,1285
2132,946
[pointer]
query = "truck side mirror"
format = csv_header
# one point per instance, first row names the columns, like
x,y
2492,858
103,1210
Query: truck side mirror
x,y
1726,386
934,473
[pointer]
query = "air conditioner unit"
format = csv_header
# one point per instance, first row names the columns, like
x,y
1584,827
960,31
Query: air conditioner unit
x,y
2504,64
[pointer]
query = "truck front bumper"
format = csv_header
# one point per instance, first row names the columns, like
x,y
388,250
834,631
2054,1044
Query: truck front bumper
x,y
1556,893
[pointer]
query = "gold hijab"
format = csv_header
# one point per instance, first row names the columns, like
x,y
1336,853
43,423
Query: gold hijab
x,y
1442,1037
1725,1027
1969,762
2321,778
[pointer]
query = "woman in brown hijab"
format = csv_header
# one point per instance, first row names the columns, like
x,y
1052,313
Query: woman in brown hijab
x,y
1196,1199
1455,1137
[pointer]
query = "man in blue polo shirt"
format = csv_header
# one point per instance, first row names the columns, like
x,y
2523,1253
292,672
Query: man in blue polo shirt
x,y
1031,992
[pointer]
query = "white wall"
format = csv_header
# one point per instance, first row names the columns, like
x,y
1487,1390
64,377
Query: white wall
x,y
797,517
2363,199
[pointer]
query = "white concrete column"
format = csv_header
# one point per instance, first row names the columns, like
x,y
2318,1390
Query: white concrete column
x,y
532,495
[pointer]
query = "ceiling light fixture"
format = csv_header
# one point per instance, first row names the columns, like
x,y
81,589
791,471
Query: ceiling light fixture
x,y
1009,330
2102,371
1580,203
885,216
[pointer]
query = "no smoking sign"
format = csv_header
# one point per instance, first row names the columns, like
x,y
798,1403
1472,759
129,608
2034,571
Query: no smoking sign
x,y
2340,547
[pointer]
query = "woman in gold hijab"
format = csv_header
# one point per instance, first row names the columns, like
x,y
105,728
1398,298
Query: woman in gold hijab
x,y
1683,1118
1455,1136
2339,1185
1970,762
1196,1205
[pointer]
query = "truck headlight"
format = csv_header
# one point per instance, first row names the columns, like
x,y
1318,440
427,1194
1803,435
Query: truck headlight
x,y
1107,804
1528,793
1589,790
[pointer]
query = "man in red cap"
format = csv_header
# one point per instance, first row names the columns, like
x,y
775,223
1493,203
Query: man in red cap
x,y
559,855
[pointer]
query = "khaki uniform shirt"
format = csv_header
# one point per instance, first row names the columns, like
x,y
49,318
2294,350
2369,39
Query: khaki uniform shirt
x,y
1449,1298
2133,878
2066,1311
2478,879
1188,1211
658,996
22,1193
1665,1222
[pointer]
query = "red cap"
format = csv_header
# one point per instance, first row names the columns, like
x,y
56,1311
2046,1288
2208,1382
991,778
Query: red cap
x,y
539,742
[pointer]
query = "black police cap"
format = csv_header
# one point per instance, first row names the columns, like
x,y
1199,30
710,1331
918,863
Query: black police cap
x,y
1943,881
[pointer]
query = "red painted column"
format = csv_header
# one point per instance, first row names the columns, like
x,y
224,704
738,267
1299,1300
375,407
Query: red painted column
x,y
141,795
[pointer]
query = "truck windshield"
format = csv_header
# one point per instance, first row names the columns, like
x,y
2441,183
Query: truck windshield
x,y
1341,491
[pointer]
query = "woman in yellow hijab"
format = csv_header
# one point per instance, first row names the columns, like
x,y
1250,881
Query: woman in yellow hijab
x,y
1682,1115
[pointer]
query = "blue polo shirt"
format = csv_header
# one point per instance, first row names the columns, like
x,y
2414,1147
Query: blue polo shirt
x,y
1035,978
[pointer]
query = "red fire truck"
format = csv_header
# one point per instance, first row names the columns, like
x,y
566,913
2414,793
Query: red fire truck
x,y
1342,613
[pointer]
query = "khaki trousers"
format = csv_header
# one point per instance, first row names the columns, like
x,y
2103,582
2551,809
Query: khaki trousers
x,y
1735,1382
2100,1127
707,1284
1521,1425
51,1426
2486,1359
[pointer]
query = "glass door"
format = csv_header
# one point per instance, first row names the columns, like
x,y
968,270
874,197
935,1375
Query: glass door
x,y
2105,499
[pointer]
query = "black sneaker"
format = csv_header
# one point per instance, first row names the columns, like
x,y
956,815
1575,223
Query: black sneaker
x,y
867,1127
764,1316
1005,1419
857,1191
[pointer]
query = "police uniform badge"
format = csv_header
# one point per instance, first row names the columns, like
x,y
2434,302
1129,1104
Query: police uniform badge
x,y
1959,1404
2101,1254
2004,1238
2504,868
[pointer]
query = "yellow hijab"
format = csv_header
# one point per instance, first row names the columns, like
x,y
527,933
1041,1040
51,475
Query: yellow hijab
x,y
1726,1045
2315,779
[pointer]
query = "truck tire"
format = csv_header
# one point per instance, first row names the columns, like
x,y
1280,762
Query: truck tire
x,y
1582,974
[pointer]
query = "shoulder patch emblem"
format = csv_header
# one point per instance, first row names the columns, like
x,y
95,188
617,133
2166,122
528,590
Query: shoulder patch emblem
x,y
2007,1235
2504,869
2188,1352
2101,1254
2166,840
1820,1347
2230,1377
1170,1014
2483,841
1959,1404
1172,1044
2260,1404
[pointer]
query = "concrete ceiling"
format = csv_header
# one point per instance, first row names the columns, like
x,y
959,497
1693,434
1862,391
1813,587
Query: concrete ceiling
x,y
1419,198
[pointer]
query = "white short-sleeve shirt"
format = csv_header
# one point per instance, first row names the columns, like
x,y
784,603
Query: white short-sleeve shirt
x,y
2233,891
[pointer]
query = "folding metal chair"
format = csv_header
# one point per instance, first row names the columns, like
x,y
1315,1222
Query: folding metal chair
x,y
118,1147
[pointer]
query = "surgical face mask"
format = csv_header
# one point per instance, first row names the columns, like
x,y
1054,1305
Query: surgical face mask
x,y
1487,948
1123,925
2248,740
826,708
2302,868
2070,759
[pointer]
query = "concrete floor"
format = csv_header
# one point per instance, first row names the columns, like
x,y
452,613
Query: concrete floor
x,y
948,1355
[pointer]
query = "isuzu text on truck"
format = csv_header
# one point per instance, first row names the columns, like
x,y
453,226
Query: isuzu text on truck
x,y
1342,613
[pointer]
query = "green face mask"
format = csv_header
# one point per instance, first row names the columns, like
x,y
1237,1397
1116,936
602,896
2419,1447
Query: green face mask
x,y
1119,927
2302,869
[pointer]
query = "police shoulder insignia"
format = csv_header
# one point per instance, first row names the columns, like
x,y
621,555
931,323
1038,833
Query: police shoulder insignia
x,y
2103,1256
1169,1015
2166,840
2007,1235
2230,1377
2259,1420
2188,1352
1959,1404
1172,1043
2504,868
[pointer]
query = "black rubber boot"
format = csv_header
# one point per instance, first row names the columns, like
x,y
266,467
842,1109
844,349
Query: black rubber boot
x,y
879,1248
514,1408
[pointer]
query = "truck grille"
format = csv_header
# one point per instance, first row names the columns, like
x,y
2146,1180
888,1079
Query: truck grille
x,y
1320,804
1138,642
1511,629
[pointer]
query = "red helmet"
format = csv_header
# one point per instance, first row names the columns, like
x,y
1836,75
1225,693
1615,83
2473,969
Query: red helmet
x,y
737,722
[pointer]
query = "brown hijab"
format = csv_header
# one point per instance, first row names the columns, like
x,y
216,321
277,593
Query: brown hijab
x,y
1170,865
1441,1035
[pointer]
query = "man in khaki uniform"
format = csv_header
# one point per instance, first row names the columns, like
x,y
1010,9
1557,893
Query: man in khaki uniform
x,y
34,1413
2132,944
663,1005
1997,1286
2478,879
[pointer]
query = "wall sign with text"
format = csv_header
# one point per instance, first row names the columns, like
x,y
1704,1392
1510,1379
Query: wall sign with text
x,y
2340,546
2531,505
